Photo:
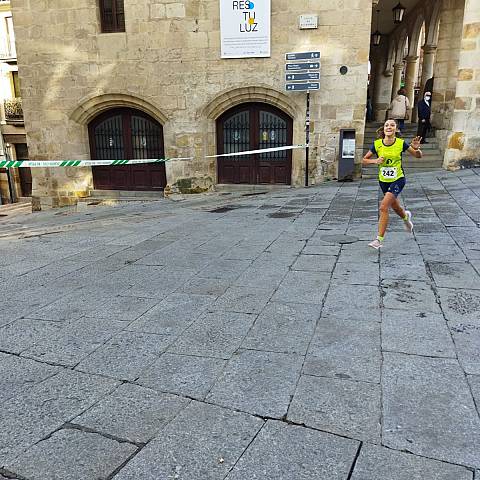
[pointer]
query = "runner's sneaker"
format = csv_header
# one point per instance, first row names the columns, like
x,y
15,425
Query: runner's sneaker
x,y
408,221
376,244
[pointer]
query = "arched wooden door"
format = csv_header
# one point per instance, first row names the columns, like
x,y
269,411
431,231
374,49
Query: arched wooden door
x,y
125,134
253,126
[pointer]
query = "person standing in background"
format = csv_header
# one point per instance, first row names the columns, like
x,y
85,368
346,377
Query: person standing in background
x,y
424,112
399,108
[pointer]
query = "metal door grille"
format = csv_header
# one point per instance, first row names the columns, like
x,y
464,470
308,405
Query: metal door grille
x,y
272,133
237,134
146,138
109,139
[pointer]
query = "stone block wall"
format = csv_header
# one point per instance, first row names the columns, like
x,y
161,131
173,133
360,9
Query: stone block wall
x,y
463,144
446,67
168,64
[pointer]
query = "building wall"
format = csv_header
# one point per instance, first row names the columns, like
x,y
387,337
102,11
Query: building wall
x,y
463,145
446,67
168,64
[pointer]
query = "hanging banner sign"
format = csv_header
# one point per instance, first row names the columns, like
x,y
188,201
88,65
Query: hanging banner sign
x,y
245,28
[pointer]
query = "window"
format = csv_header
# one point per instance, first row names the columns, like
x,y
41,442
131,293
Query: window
x,y
16,85
112,14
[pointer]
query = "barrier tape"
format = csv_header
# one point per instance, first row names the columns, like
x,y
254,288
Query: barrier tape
x,y
95,163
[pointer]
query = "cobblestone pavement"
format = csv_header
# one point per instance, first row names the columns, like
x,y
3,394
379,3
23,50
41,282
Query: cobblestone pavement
x,y
184,341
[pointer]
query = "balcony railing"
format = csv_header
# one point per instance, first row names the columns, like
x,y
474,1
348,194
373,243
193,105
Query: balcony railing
x,y
13,110
6,50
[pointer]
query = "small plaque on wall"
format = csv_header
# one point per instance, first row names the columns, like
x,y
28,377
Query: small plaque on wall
x,y
306,22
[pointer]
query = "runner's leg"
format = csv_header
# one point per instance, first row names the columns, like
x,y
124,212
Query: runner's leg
x,y
385,205
398,209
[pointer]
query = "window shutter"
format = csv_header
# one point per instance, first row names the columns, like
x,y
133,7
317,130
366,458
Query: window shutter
x,y
112,14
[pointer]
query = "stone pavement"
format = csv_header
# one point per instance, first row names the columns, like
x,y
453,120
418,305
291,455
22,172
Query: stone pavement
x,y
185,341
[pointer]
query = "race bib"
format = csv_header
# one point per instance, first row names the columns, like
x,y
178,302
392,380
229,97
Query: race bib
x,y
388,172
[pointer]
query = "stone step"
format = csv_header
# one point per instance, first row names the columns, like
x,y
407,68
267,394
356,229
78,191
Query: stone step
x,y
247,188
124,194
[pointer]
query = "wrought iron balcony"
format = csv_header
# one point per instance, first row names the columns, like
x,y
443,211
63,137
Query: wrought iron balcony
x,y
13,110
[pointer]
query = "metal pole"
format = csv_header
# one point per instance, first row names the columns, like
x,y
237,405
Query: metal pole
x,y
9,177
307,137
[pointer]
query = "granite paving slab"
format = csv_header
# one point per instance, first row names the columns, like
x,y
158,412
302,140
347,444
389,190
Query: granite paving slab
x,y
284,328
409,295
204,286
262,276
428,409
74,341
315,263
72,455
345,348
18,375
460,305
403,267
243,299
214,334
347,408
365,273
455,275
203,442
25,332
168,280
173,315
27,419
302,287
379,463
416,333
126,355
474,382
312,249
225,269
285,452
433,252
467,341
191,376
125,307
132,412
70,307
260,383
361,302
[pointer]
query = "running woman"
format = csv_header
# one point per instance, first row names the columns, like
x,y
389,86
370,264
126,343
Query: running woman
x,y
389,150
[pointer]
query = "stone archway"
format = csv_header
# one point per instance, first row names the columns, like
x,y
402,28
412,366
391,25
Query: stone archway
x,y
94,105
259,94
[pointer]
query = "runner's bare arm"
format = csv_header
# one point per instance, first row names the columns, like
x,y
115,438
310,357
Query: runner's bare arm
x,y
368,160
414,148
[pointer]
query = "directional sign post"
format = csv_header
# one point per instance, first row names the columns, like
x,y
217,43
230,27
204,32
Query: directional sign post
x,y
302,56
305,87
293,77
302,66
308,70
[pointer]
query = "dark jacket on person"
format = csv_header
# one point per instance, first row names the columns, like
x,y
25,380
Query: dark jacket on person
x,y
423,110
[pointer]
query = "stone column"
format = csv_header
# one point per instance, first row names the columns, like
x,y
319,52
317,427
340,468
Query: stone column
x,y
463,141
429,52
382,93
397,79
410,78
446,68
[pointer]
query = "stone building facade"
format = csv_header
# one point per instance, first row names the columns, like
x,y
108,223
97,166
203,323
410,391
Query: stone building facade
x,y
449,51
13,145
167,64
165,72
